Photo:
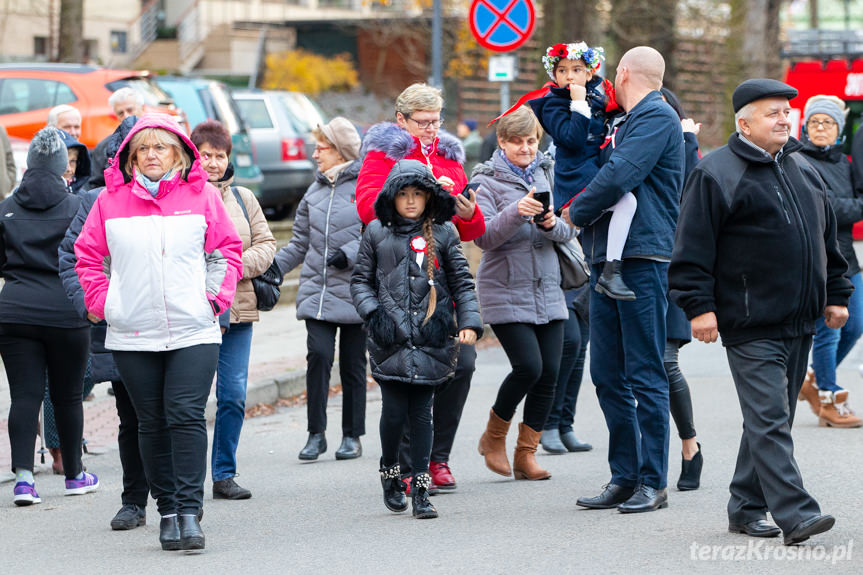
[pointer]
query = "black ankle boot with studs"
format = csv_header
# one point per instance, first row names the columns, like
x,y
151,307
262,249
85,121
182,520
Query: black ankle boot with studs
x,y
423,509
394,488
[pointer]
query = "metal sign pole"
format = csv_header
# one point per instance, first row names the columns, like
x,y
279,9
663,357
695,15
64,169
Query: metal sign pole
x,y
504,97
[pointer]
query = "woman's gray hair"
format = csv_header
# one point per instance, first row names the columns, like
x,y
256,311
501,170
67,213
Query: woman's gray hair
x,y
419,98
158,136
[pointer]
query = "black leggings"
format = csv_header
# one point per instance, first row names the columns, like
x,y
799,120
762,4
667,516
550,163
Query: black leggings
x,y
169,390
28,351
534,352
680,401
414,402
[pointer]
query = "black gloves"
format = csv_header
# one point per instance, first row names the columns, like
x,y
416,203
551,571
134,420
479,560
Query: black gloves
x,y
382,328
338,260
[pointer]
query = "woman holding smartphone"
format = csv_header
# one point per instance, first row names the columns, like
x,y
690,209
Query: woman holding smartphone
x,y
519,287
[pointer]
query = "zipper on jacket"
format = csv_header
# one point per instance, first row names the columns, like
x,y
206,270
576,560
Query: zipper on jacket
x,y
804,237
784,208
745,295
326,249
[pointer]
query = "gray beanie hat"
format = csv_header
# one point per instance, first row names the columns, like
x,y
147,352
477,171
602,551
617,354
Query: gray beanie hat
x,y
830,105
344,136
48,152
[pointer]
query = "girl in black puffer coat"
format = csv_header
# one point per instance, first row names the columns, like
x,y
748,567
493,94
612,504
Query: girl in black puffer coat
x,y
412,287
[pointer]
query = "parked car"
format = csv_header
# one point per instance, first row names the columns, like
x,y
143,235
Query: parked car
x,y
282,150
305,113
29,91
210,100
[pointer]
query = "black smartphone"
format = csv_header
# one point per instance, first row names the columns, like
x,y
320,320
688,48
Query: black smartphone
x,y
466,190
544,198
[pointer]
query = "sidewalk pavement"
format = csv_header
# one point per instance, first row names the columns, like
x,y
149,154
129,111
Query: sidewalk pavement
x,y
327,516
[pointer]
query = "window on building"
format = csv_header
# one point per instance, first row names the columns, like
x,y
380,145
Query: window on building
x,y
40,46
118,42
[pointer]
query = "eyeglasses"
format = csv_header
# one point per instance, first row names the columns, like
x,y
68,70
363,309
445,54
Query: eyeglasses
x,y
434,124
815,124
320,149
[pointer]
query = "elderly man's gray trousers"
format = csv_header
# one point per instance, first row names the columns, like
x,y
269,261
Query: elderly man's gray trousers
x,y
768,374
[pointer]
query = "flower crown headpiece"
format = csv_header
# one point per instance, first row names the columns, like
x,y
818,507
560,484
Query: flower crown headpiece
x,y
574,51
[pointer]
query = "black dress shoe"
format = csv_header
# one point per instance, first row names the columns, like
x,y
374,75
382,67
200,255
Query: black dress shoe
x,y
645,498
169,534
129,517
351,448
806,529
690,472
612,496
228,489
191,536
316,445
757,528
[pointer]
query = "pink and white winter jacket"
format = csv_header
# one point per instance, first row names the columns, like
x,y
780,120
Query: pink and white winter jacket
x,y
159,269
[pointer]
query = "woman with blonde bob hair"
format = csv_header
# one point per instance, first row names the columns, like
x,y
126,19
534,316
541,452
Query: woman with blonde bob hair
x,y
159,260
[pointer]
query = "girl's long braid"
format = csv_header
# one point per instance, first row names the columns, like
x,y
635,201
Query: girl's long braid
x,y
428,233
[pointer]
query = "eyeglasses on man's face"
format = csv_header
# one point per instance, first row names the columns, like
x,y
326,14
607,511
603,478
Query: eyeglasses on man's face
x,y
425,125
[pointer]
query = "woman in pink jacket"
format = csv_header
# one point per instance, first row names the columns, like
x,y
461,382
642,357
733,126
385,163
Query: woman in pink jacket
x,y
159,259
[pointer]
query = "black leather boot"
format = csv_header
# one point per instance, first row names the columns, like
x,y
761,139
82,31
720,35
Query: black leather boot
x,y
690,472
611,282
169,534
351,448
316,445
394,488
191,536
423,509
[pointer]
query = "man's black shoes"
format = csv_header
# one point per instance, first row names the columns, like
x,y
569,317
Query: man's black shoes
x,y
757,528
612,496
645,498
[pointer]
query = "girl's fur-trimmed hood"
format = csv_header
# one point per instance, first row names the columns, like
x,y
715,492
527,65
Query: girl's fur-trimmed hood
x,y
440,205
397,143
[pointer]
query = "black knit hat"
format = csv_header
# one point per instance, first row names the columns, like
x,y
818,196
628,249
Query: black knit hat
x,y
758,88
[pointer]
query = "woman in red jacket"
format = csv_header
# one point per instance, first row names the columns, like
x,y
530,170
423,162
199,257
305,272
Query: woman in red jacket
x,y
415,136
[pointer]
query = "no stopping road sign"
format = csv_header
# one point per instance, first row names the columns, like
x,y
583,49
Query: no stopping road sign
x,y
502,25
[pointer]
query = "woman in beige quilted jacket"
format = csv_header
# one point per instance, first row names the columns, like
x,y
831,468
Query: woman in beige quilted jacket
x,y
259,247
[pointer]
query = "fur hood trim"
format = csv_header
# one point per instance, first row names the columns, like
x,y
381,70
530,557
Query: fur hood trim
x,y
398,144
440,206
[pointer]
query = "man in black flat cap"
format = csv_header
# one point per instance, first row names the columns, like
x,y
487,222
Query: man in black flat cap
x,y
756,260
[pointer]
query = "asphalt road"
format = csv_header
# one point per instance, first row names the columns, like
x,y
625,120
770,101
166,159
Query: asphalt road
x,y
328,516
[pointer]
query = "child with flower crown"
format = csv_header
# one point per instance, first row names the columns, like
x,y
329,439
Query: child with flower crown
x,y
575,111
412,287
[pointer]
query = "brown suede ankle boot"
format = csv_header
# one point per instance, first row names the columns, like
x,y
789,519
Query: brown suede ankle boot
x,y
809,392
492,445
524,465
835,411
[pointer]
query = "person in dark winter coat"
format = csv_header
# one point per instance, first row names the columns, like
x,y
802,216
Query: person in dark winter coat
x,y
679,333
857,161
412,286
39,328
326,237
823,123
78,169
416,135
519,289
765,305
132,513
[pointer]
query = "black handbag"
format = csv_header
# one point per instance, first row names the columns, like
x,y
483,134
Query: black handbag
x,y
267,285
574,271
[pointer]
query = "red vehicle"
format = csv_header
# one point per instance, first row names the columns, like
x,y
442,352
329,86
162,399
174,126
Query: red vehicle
x,y
29,91
827,62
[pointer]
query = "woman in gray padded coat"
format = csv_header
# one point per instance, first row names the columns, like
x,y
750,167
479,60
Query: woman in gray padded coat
x,y
325,240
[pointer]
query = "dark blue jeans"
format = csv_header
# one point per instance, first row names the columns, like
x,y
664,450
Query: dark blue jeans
x,y
232,378
830,346
576,334
627,341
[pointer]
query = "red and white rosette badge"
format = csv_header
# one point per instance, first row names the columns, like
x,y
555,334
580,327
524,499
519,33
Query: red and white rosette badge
x,y
419,245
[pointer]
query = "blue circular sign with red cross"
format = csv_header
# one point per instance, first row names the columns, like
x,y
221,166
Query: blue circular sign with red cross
x,y
502,25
